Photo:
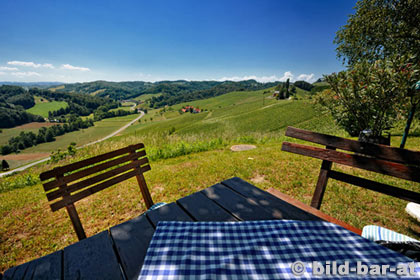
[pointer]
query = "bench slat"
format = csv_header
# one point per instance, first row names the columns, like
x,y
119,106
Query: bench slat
x,y
375,186
379,151
376,165
87,182
91,170
96,188
83,163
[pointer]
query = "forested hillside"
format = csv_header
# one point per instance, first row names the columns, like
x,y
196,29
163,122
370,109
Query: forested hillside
x,y
13,102
80,104
172,92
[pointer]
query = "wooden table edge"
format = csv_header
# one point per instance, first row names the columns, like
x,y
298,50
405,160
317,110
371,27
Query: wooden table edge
x,y
312,210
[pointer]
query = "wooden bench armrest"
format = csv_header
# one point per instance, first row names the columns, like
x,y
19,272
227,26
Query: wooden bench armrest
x,y
312,210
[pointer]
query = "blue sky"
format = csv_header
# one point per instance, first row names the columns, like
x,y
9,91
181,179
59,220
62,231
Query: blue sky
x,y
78,41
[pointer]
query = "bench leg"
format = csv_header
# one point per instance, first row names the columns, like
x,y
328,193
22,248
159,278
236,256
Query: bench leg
x,y
75,220
144,190
321,184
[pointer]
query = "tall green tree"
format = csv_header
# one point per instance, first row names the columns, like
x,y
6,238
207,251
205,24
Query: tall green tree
x,y
384,29
368,96
379,29
287,94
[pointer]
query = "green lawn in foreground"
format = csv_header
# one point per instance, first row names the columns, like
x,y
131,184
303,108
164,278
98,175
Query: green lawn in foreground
x,y
29,229
42,109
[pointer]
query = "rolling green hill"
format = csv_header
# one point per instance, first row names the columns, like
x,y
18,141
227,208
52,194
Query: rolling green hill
x,y
43,108
236,113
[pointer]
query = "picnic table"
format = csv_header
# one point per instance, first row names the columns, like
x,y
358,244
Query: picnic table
x,y
119,252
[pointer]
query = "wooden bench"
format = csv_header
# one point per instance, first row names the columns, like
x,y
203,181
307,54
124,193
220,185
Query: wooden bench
x,y
70,183
395,162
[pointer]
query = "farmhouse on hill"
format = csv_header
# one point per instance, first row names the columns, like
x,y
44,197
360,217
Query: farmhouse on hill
x,y
190,109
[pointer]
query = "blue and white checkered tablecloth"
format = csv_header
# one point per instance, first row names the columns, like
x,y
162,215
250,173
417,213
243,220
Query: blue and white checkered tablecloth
x,y
262,250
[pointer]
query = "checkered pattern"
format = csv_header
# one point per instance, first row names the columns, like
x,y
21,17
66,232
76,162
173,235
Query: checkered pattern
x,y
256,250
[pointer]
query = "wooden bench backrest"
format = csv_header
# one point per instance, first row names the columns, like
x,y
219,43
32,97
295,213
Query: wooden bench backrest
x,y
70,183
396,162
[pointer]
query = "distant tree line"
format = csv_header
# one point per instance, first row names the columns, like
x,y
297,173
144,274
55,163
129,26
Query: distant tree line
x,y
172,92
303,85
127,90
28,139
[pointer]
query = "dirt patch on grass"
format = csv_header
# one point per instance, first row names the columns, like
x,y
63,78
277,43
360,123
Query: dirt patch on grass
x,y
238,148
35,125
28,156
258,179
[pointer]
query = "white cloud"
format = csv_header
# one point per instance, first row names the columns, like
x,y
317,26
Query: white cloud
x,y
2,73
25,74
48,65
251,77
272,78
262,79
30,64
287,75
71,67
5,68
310,78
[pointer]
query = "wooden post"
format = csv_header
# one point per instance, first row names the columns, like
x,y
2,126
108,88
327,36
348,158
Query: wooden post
x,y
322,182
75,220
143,186
144,190
407,126
71,210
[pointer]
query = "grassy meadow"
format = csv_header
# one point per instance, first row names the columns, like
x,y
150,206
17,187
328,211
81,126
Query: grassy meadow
x,y
145,97
42,108
190,152
126,106
7,133
83,136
